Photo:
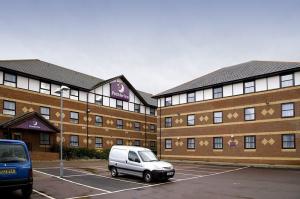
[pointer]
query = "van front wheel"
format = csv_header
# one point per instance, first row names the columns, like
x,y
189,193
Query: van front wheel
x,y
114,172
147,176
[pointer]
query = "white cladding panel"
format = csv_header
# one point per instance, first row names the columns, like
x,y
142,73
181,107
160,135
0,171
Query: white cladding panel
x,y
66,94
131,107
125,106
148,110
22,82
131,96
106,90
175,99
83,96
34,85
297,78
238,88
158,103
99,90
162,102
227,90
113,103
143,109
261,84
208,94
183,99
199,96
105,101
136,100
91,98
1,77
54,88
273,82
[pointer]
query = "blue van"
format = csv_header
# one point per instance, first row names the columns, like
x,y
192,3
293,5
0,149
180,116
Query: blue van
x,y
15,167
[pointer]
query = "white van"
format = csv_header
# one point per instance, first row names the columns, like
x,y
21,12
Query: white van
x,y
138,161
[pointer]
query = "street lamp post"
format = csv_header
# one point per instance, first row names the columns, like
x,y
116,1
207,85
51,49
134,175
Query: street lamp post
x,y
60,91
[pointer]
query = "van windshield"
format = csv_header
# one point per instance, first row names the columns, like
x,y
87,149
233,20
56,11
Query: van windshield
x,y
10,153
148,156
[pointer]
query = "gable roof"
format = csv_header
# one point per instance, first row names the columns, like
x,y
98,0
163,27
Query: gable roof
x,y
47,71
235,73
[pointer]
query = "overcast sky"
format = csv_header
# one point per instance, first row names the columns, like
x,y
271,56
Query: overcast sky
x,y
155,44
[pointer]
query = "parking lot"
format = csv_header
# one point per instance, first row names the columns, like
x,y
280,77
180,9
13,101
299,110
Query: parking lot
x,y
91,179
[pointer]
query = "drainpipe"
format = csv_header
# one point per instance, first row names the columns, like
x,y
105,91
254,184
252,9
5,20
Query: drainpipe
x,y
145,128
160,132
87,121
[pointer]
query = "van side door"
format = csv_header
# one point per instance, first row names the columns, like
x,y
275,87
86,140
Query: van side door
x,y
134,164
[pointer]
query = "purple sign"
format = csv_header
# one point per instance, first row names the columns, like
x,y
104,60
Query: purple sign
x,y
119,91
33,124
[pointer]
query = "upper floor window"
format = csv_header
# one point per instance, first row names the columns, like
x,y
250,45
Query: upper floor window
x,y
249,142
137,108
191,97
168,143
168,101
152,111
98,142
44,138
191,143
45,112
10,79
249,87
137,126
98,120
218,117
119,141
190,120
218,92
288,141
137,143
9,108
74,140
119,104
287,80
168,122
119,124
99,100
45,88
152,128
287,110
74,117
74,94
218,143
249,114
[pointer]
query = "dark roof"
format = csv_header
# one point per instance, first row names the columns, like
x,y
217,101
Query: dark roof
x,y
243,71
48,71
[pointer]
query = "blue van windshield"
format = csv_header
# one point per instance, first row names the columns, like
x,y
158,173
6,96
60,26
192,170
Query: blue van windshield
x,y
10,153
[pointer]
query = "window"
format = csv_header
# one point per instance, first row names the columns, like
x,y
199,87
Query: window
x,y
119,104
168,101
288,141
249,87
44,139
168,122
74,94
137,126
168,144
74,140
10,79
45,88
45,112
119,124
287,110
191,97
119,141
218,143
137,143
99,100
218,117
137,108
190,120
249,114
250,142
9,108
191,143
132,156
218,92
152,128
152,145
287,80
98,120
152,111
98,142
74,117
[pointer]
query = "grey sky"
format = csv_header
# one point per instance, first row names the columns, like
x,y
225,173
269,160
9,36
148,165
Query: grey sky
x,y
155,44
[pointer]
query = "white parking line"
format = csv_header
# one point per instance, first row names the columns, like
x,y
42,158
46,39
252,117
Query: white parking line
x,y
196,170
42,194
153,185
106,191
78,175
187,174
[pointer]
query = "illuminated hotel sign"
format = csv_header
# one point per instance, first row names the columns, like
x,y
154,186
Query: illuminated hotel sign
x,y
119,91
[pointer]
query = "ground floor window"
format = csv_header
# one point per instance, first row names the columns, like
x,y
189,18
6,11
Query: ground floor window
x,y
288,141
191,143
137,143
168,144
218,143
250,142
74,140
119,141
44,139
152,145
98,142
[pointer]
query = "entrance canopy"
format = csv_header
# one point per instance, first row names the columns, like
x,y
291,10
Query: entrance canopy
x,y
30,121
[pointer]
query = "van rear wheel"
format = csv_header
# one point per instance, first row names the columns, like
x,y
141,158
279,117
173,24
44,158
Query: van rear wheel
x,y
114,172
27,191
147,176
